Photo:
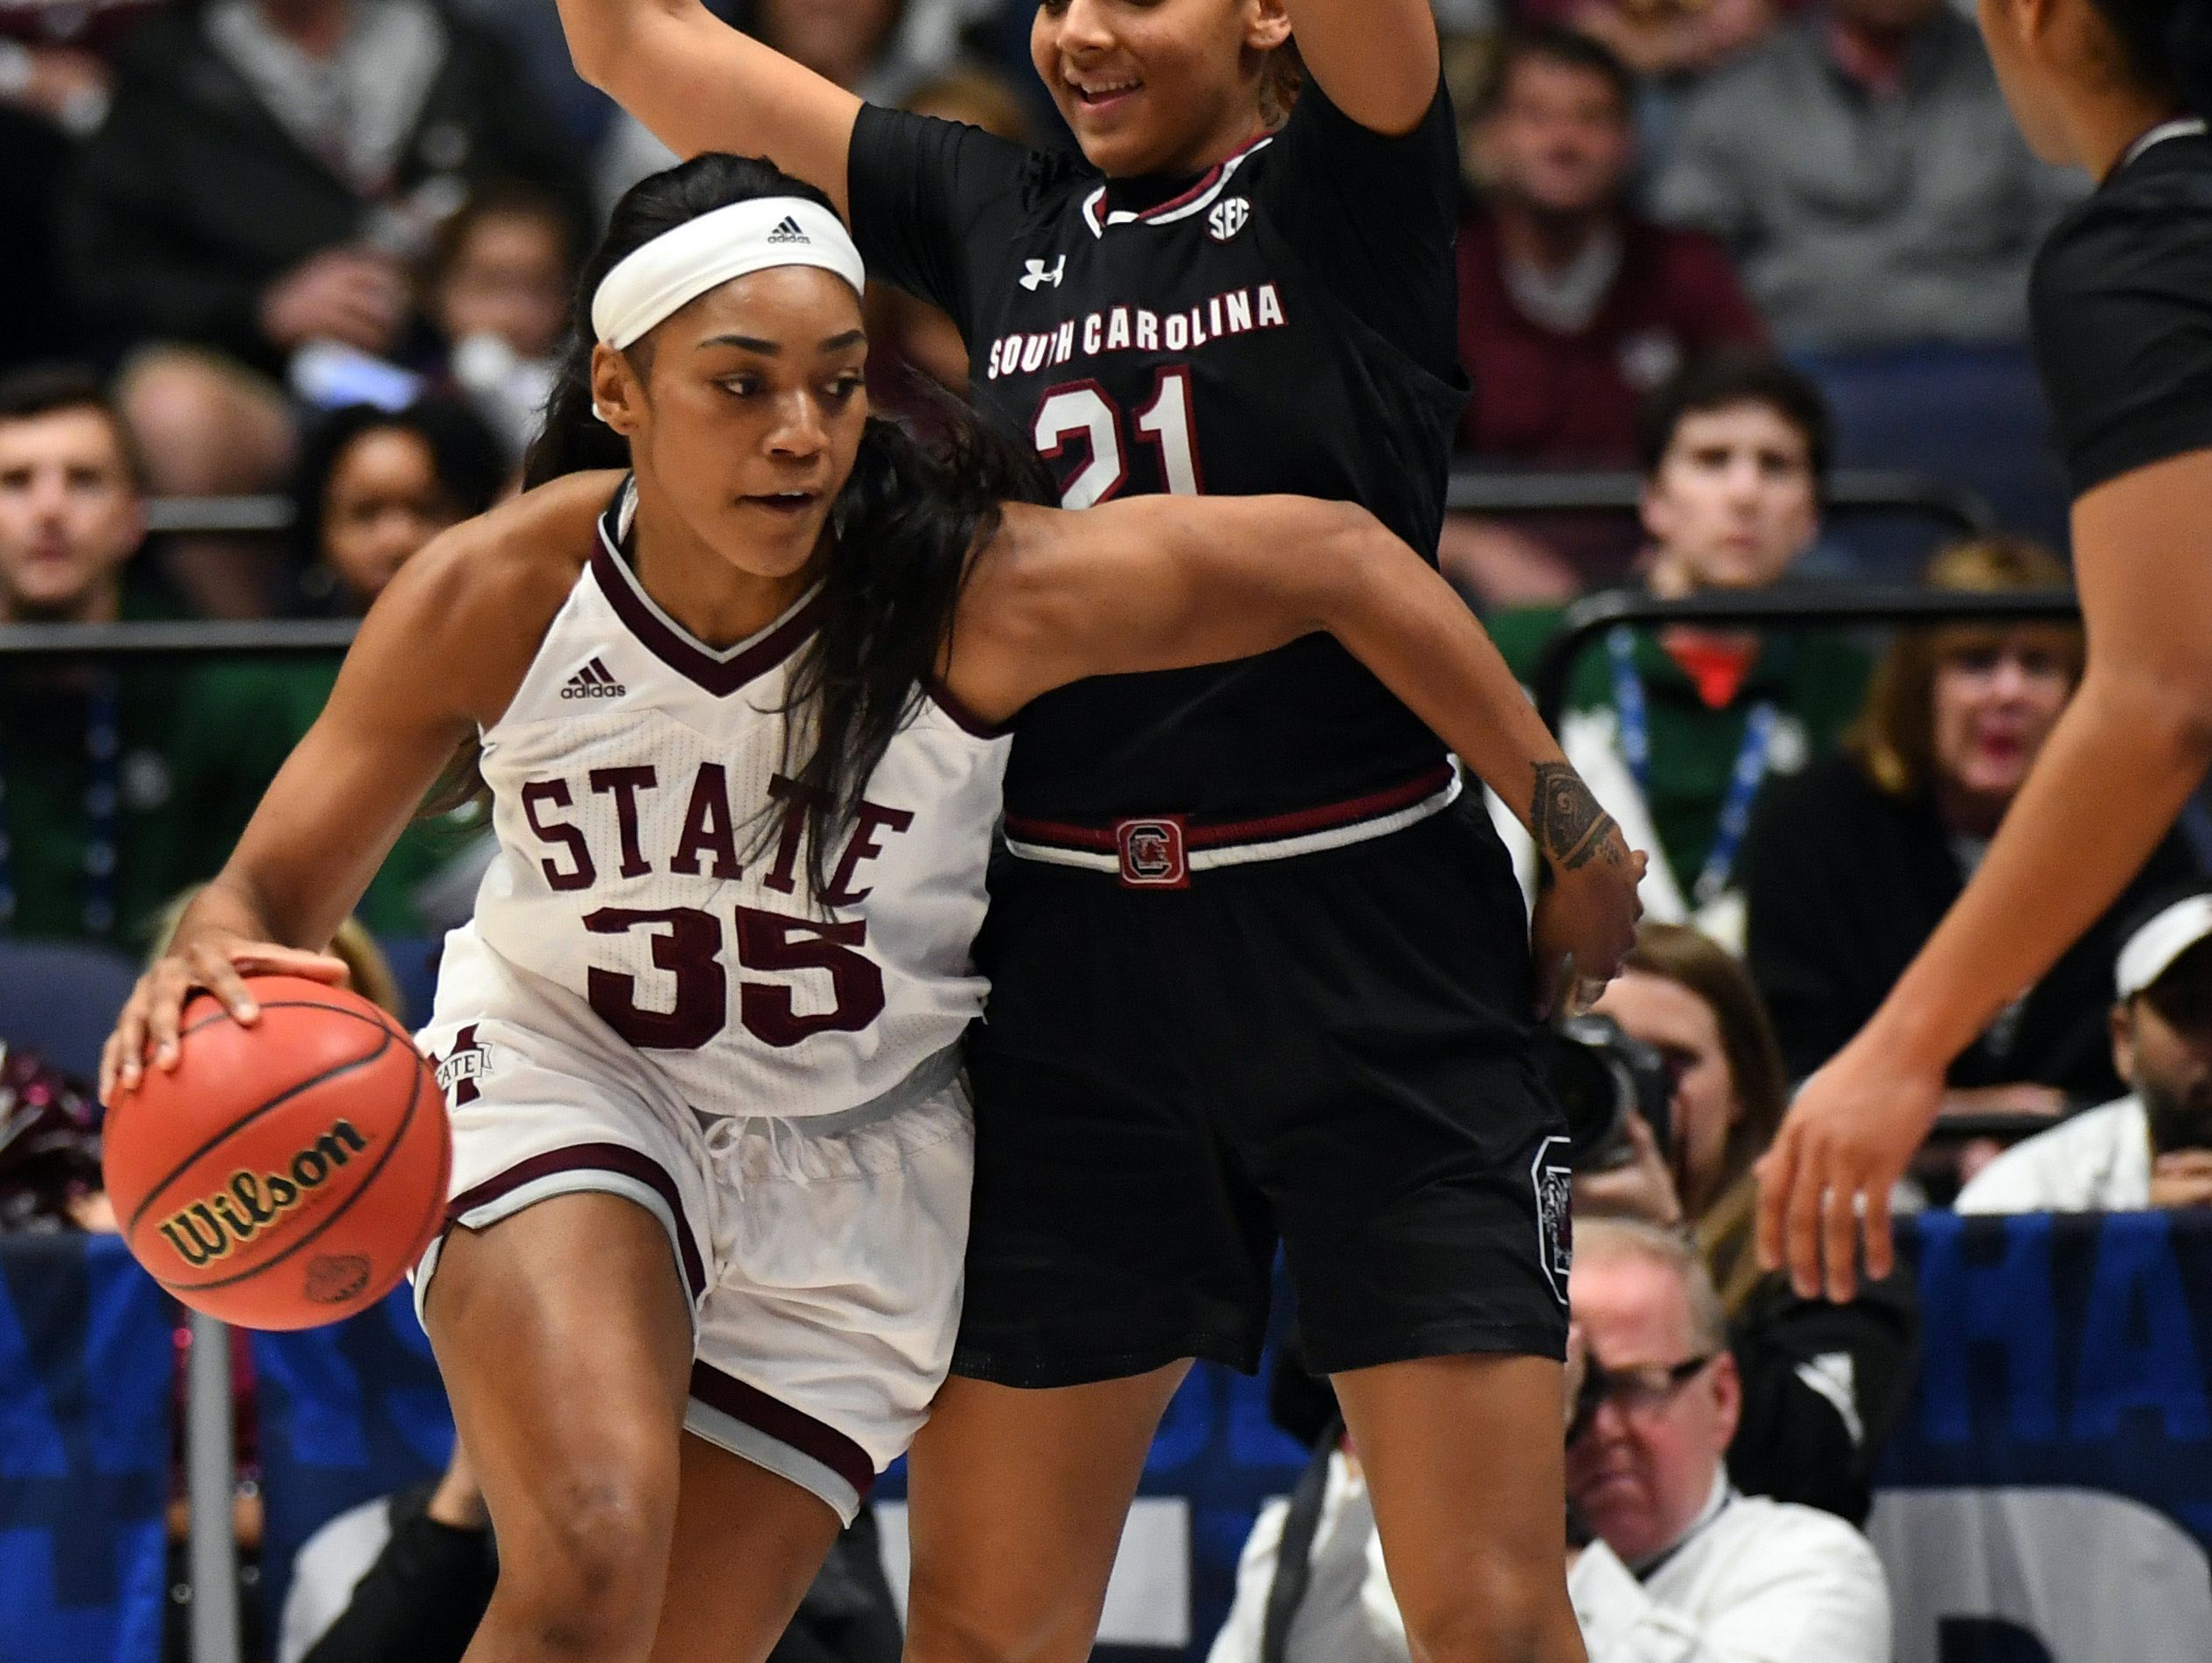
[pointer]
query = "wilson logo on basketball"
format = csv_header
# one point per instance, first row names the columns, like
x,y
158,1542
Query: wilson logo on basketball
x,y
227,1220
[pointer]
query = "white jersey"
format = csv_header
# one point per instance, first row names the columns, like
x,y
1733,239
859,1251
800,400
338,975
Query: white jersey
x,y
652,863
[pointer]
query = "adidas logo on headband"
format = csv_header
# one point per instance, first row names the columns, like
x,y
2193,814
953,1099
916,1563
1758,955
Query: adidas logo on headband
x,y
788,231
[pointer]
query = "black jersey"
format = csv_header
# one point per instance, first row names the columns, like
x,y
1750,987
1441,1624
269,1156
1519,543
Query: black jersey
x,y
2121,300
1283,323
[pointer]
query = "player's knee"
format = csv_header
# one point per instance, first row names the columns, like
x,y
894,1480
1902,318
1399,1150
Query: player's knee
x,y
585,1579
1504,1615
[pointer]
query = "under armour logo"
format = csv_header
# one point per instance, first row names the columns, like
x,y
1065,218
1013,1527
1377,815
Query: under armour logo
x,y
1227,217
1037,276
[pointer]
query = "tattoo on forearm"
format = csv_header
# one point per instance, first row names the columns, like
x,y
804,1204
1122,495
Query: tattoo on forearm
x,y
1569,828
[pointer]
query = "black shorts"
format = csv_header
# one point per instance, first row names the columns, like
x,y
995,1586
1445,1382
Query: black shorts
x,y
1335,1051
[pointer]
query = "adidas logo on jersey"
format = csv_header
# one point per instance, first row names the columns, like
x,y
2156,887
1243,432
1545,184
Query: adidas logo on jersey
x,y
788,231
593,681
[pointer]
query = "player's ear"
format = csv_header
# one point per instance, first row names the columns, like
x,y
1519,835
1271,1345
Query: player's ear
x,y
616,392
1267,25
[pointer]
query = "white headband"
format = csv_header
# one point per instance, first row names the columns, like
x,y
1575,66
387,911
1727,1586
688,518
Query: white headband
x,y
660,279
2150,953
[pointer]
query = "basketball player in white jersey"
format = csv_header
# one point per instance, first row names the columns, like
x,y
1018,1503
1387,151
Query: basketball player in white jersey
x,y
712,1151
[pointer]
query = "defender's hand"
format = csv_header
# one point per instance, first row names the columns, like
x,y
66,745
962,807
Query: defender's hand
x,y
218,962
1843,1146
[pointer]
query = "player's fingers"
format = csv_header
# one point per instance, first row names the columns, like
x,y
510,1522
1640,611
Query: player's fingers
x,y
1839,1236
167,988
262,959
128,1040
110,1067
1776,1174
1800,1220
215,972
1880,1252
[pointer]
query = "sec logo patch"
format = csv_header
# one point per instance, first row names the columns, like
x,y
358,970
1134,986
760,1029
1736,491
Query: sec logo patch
x,y
1227,217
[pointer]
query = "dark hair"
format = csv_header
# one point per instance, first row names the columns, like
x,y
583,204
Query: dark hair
x,y
47,389
465,455
1552,43
899,533
1729,375
2165,43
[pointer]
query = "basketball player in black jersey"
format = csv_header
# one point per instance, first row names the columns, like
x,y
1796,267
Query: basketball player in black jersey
x,y
2121,303
1256,974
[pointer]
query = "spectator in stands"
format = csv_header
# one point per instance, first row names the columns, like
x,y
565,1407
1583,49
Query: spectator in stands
x,y
1849,866
1861,167
2153,1146
1675,731
1679,1563
1572,307
1665,40
498,289
373,487
117,785
1822,1385
49,1150
268,173
1676,1564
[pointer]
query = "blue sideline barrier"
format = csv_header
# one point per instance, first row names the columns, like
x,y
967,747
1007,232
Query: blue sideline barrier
x,y
2047,1497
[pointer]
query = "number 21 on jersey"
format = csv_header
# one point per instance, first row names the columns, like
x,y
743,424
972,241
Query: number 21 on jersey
x,y
1083,412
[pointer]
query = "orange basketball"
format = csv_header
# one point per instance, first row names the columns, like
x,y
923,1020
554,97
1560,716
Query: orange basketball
x,y
286,1174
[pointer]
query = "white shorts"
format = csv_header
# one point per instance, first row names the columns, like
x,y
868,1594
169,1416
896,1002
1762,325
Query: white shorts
x,y
822,1255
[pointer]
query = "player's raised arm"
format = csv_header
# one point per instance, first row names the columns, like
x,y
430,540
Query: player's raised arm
x,y
439,652
700,85
1162,582
1376,59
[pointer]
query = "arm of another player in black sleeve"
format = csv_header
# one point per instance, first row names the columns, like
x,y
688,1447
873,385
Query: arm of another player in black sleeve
x,y
930,196
1375,216
2122,306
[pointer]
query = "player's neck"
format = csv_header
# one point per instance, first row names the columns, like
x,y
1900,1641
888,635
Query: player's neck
x,y
2101,127
716,603
1238,126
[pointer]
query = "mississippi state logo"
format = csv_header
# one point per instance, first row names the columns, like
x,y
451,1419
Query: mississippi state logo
x,y
1151,853
1553,1181
1227,217
460,1068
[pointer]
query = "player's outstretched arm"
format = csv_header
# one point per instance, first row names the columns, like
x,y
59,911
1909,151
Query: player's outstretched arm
x,y
2133,744
441,653
1161,583
700,85
1376,59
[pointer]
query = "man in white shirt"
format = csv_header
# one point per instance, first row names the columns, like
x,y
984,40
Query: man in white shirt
x,y
1679,1568
2153,1146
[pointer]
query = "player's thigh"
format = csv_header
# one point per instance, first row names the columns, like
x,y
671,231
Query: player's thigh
x,y
564,1335
747,1544
1016,1500
1466,1464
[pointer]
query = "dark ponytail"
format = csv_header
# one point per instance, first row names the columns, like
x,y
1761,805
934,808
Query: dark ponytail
x,y
901,531
2166,46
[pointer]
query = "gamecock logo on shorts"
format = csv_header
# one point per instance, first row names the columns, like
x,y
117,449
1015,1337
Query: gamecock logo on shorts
x,y
1553,1180
1151,853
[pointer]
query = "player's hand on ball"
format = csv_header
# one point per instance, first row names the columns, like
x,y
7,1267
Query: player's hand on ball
x,y
148,1029
1585,924
1843,1146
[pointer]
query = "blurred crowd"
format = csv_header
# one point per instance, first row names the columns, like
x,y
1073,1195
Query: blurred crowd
x,y
324,251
